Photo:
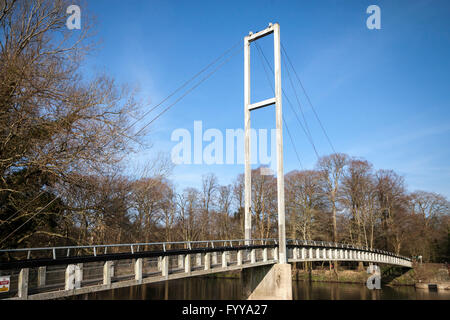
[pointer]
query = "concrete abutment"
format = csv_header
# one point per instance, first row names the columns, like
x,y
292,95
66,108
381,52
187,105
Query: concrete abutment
x,y
272,282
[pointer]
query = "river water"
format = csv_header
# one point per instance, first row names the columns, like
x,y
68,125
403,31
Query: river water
x,y
230,289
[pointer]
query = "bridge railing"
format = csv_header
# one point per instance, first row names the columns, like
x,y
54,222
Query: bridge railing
x,y
327,244
64,269
68,251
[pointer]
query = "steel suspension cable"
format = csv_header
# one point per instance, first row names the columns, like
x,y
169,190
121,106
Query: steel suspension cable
x,y
285,123
292,142
9,235
288,100
226,52
10,217
307,97
189,91
296,97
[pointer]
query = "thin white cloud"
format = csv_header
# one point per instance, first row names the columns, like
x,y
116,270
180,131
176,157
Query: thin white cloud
x,y
388,140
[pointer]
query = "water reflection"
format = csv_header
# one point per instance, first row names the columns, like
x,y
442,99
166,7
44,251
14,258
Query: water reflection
x,y
230,289
305,290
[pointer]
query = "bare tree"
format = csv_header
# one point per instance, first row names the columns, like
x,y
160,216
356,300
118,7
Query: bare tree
x,y
168,211
224,222
208,200
392,203
53,124
432,211
239,200
332,169
359,197
264,205
148,196
189,219
304,203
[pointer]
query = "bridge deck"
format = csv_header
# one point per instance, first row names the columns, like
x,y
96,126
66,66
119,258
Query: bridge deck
x,y
64,276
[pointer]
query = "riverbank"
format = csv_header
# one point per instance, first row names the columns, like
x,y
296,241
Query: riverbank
x,y
318,275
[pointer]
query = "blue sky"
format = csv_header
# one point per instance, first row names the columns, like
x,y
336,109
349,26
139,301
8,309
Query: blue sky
x,y
383,95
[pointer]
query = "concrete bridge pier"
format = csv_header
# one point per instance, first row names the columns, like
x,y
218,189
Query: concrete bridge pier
x,y
264,254
198,259
107,272
42,276
138,270
180,261
165,266
73,276
207,261
69,277
294,254
187,264
23,283
224,259
79,275
273,282
239,258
